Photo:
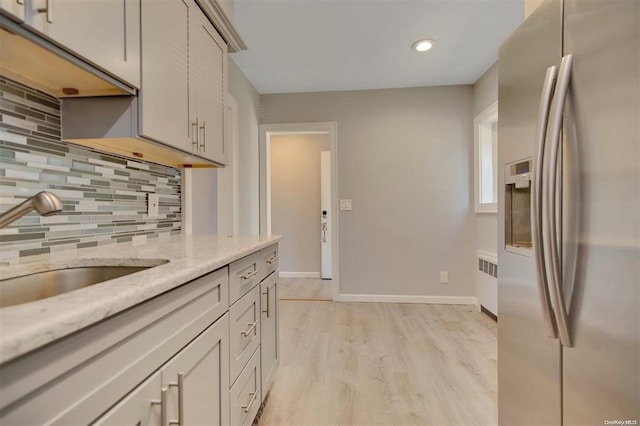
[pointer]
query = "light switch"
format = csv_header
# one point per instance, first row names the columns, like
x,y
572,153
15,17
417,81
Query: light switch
x,y
153,204
345,204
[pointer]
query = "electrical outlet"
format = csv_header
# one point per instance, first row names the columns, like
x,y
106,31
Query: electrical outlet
x,y
345,204
153,204
444,277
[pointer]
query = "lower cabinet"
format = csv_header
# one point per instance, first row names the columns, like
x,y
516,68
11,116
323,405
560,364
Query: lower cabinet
x,y
197,378
184,357
190,389
270,336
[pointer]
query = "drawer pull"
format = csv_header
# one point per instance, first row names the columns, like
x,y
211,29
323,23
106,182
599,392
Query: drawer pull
x,y
250,329
249,275
267,311
247,407
273,259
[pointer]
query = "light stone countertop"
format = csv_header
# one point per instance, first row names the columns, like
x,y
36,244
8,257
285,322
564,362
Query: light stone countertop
x,y
26,327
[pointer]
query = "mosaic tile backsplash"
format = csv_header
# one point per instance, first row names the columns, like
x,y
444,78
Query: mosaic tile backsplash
x,y
104,195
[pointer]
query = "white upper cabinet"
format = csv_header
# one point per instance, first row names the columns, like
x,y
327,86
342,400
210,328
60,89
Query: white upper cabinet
x,y
104,32
164,93
183,78
13,8
208,78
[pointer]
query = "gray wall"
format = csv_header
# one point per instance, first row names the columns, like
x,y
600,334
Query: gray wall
x,y
248,189
404,157
295,199
204,206
204,182
485,93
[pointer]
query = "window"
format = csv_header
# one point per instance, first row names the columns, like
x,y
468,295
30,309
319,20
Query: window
x,y
486,160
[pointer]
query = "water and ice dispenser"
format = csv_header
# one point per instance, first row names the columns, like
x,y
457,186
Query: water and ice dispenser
x,y
517,206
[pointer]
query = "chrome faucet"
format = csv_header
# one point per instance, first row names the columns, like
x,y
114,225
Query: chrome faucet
x,y
44,203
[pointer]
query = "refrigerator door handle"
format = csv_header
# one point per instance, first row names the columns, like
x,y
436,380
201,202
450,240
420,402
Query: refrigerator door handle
x,y
554,187
538,189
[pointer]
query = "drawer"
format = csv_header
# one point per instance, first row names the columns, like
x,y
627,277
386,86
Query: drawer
x,y
244,274
244,331
244,396
269,260
218,281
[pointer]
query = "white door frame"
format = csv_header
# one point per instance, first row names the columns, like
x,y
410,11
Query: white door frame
x,y
329,128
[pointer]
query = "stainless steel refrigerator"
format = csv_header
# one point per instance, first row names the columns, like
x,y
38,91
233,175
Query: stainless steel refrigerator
x,y
569,216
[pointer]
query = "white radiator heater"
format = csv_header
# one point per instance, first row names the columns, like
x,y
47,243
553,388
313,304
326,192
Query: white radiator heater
x,y
487,281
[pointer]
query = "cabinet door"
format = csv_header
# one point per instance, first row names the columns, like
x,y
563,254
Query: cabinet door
x,y
105,32
13,8
140,408
197,379
209,80
270,339
164,92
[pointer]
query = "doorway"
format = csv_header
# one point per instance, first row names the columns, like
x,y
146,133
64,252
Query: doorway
x,y
291,156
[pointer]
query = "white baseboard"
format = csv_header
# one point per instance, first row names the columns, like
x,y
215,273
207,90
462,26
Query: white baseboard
x,y
299,274
389,298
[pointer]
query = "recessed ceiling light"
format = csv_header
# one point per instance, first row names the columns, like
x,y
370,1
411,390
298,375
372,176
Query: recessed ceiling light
x,y
422,45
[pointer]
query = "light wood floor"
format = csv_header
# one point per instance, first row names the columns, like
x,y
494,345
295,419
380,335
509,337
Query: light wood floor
x,y
304,289
383,364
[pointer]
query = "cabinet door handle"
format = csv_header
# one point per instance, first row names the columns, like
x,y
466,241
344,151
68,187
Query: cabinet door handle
x,y
250,329
203,143
249,275
48,9
162,403
273,259
267,311
247,407
194,134
180,386
163,406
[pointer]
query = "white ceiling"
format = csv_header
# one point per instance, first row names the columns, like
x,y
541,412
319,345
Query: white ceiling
x,y
326,45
